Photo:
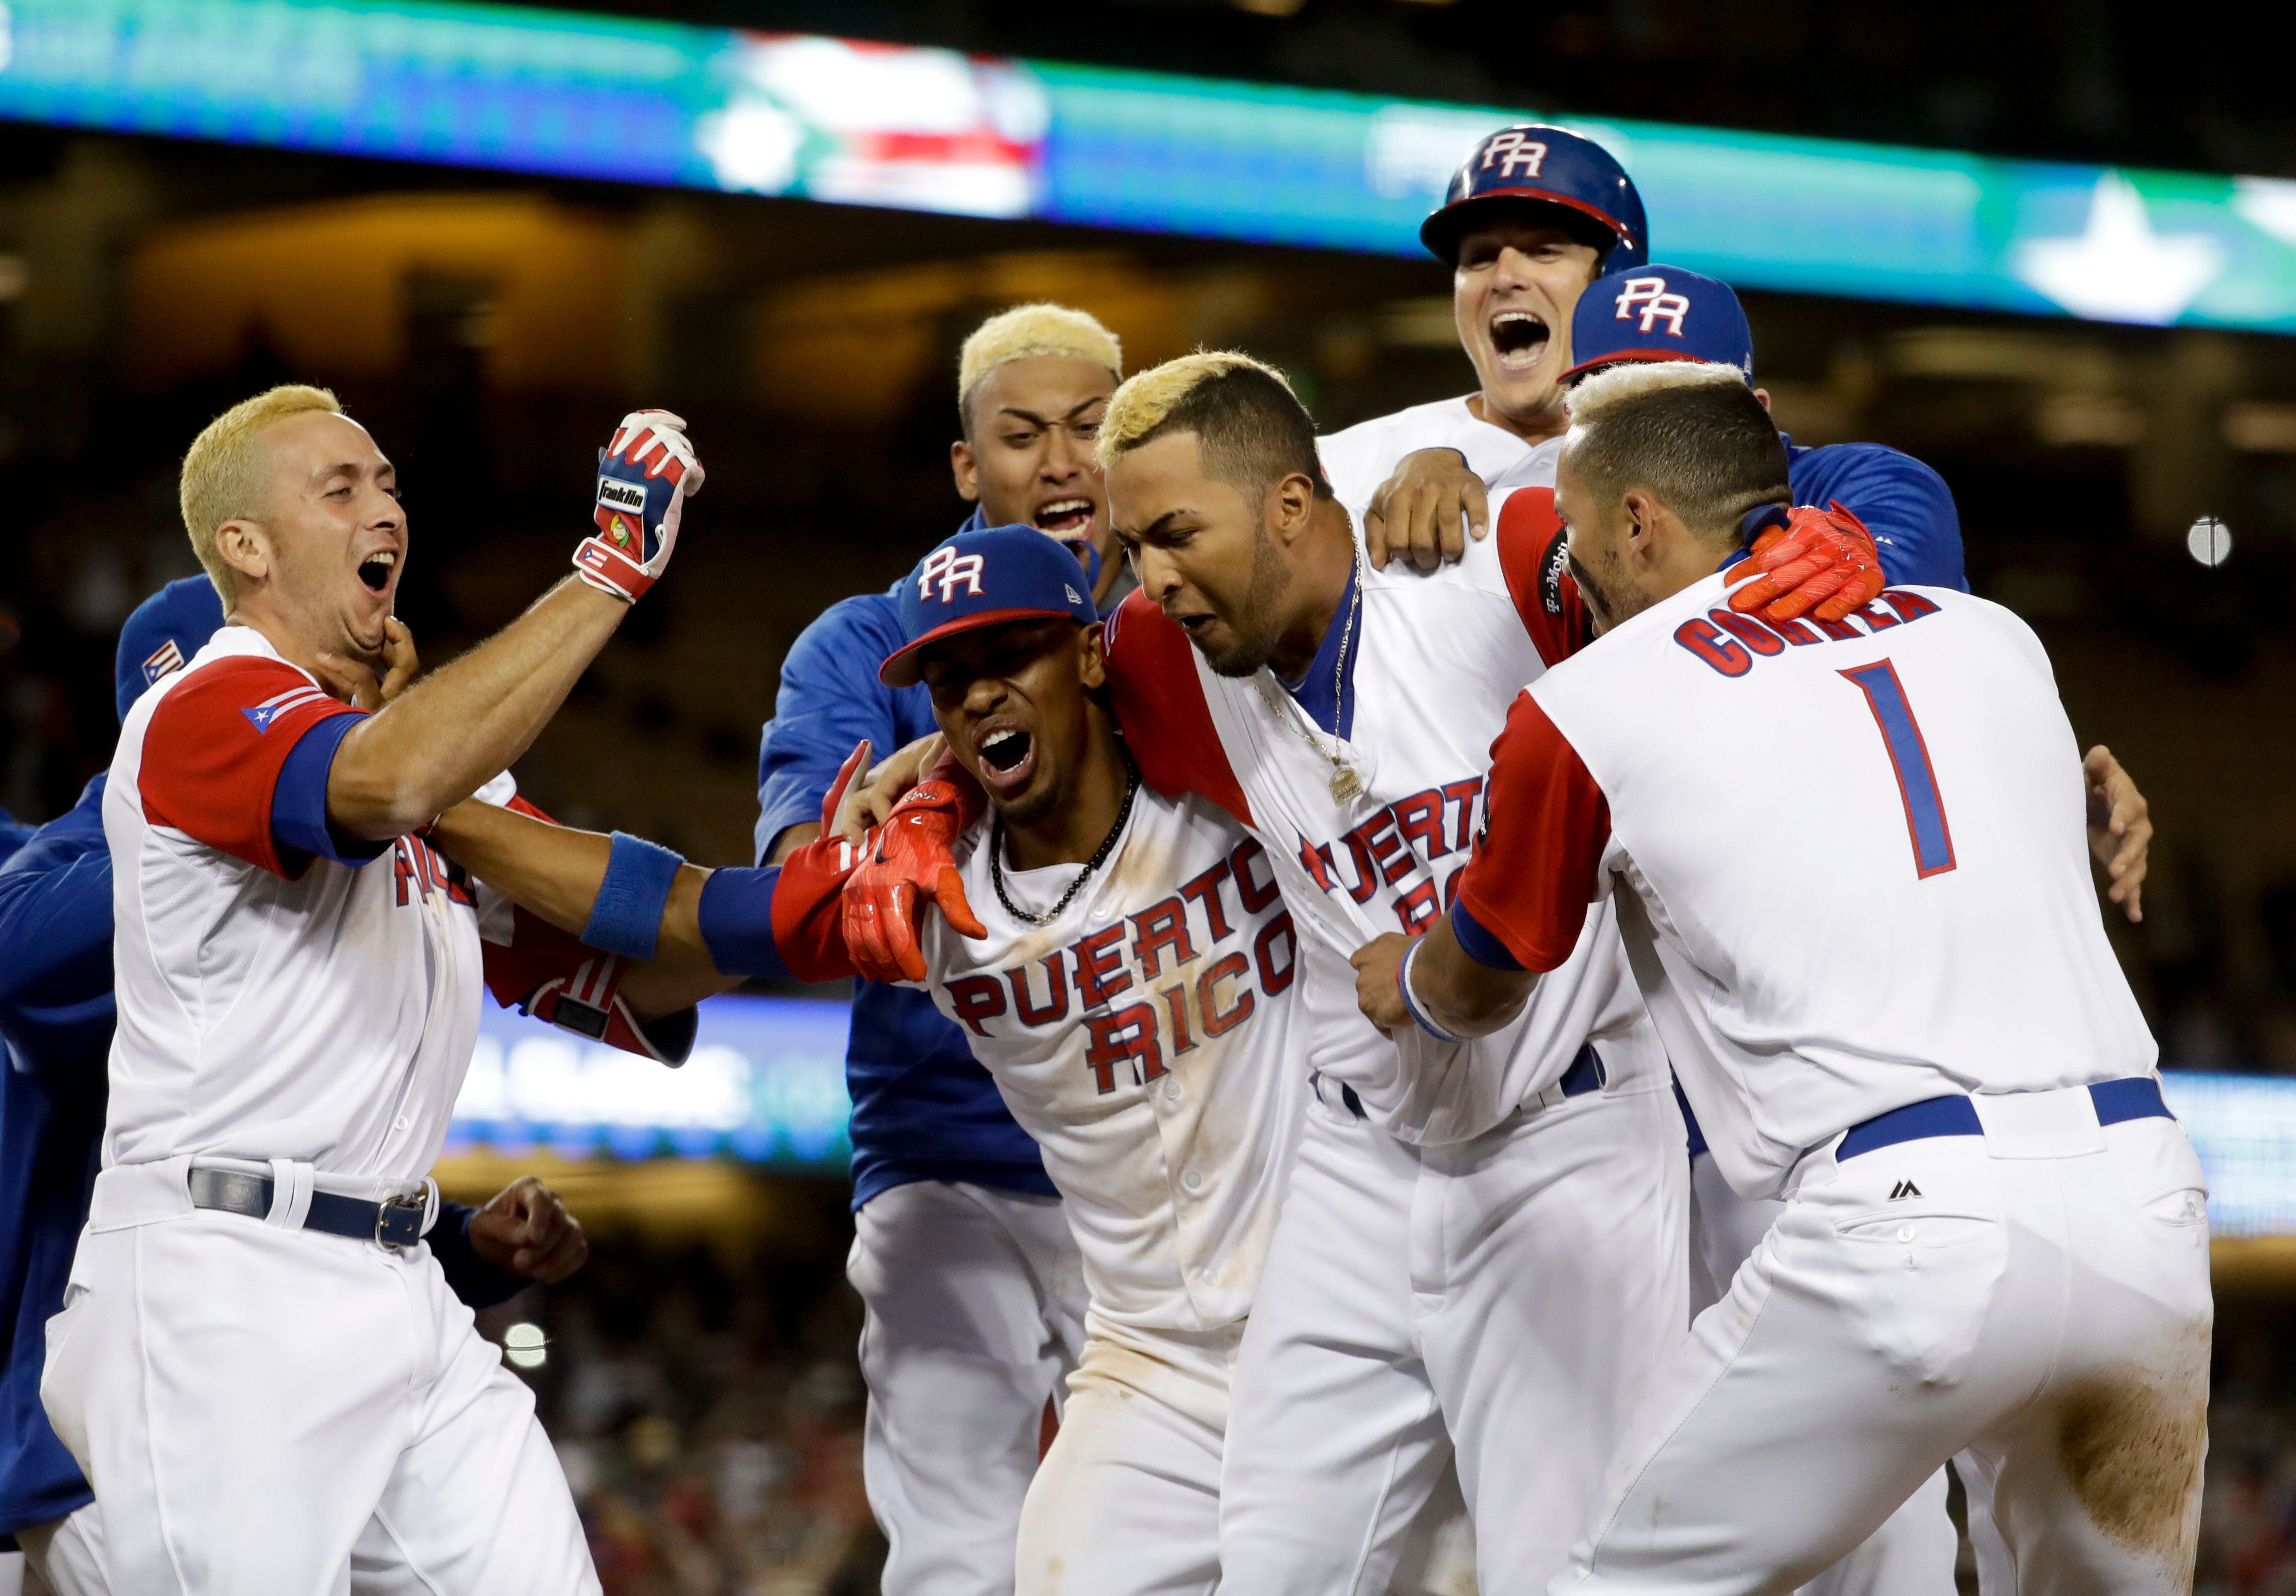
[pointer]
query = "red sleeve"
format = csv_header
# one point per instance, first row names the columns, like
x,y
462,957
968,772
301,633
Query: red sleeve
x,y
1544,827
216,746
1159,703
1531,540
808,912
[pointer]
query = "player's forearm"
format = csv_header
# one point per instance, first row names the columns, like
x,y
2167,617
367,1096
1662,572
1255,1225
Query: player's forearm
x,y
1461,996
447,735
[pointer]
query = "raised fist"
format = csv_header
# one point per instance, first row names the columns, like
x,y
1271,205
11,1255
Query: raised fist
x,y
644,478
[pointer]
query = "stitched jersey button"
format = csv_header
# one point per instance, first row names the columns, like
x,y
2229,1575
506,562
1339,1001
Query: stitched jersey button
x,y
1905,1232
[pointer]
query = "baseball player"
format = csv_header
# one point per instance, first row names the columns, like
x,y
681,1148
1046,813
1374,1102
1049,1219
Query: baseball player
x,y
1130,985
56,1017
257,1368
1994,1241
971,1292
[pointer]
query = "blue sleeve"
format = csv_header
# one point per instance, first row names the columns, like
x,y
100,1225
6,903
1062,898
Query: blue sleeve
x,y
1906,505
1478,942
470,1277
830,699
55,941
299,803
737,922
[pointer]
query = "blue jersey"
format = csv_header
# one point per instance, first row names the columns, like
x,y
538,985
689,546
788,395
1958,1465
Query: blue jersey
x,y
923,1107
56,1019
1905,504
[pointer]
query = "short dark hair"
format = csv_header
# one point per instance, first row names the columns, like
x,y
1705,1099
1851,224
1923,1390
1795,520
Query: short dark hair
x,y
1250,426
1694,434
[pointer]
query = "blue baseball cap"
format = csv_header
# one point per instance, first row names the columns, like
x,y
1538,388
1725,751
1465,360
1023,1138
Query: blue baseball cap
x,y
162,634
1547,165
985,579
1659,313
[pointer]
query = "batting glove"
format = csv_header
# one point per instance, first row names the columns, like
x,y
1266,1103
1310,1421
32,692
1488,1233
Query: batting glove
x,y
1823,561
912,856
644,478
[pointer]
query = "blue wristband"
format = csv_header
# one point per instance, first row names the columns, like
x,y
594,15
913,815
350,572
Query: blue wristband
x,y
626,918
1411,999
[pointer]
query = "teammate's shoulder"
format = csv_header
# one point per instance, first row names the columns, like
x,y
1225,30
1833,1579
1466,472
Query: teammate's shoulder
x,y
1834,462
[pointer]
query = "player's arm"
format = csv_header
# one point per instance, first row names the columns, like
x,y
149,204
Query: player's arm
x,y
523,1236
830,699
1521,899
1426,510
451,732
55,942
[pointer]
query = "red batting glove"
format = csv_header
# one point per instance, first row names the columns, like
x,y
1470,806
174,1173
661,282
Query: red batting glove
x,y
912,855
1821,561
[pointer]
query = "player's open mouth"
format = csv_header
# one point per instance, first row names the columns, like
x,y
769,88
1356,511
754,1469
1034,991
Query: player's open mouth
x,y
375,570
1008,758
1064,518
1518,338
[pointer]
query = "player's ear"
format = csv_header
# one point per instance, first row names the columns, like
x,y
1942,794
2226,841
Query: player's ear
x,y
967,471
1091,659
1641,511
1289,503
245,548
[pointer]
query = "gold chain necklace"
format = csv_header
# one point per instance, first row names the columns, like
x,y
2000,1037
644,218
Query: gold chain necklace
x,y
1347,783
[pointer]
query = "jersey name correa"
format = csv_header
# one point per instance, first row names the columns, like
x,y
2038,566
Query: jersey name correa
x,y
1951,942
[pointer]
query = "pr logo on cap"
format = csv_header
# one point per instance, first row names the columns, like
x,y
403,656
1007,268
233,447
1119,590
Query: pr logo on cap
x,y
1656,301
949,568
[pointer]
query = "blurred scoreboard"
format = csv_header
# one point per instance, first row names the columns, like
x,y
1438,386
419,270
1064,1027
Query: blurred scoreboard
x,y
765,1085
639,101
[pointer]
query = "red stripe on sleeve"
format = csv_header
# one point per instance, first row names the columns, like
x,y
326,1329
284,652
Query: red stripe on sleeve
x,y
1159,702
1546,825
214,748
1531,538
808,913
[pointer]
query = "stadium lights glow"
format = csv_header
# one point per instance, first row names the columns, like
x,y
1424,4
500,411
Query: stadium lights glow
x,y
627,100
525,1346
2208,541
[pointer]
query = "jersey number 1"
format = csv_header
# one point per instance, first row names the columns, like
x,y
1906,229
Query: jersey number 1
x,y
1909,756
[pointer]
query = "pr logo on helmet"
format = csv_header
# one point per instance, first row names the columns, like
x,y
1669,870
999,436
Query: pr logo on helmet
x,y
1512,150
1656,303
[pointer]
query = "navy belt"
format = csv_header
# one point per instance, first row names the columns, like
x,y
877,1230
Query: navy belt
x,y
1585,1073
397,1222
2135,1097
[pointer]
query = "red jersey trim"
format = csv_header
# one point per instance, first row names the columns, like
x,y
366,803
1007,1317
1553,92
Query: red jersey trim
x,y
214,748
1159,703
1532,542
1546,825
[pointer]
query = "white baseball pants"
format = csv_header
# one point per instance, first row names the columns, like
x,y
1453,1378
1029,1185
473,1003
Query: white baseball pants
x,y
251,1401
1127,1502
1914,1552
974,1303
69,1554
1510,1297
2034,1301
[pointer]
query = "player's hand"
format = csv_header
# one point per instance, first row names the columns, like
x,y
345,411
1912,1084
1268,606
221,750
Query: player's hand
x,y
526,1231
644,478
1823,561
911,857
869,802
1419,511
354,681
2120,828
1379,968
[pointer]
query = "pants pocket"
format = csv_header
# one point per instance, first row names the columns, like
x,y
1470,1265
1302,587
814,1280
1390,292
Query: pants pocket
x,y
1917,1286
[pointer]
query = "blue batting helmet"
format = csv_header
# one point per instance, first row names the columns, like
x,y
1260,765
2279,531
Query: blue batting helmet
x,y
162,634
1545,165
1659,313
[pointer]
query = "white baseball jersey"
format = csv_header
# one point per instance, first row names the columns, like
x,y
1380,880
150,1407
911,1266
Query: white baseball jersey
x,y
1947,937
1146,1039
1432,661
284,992
1357,459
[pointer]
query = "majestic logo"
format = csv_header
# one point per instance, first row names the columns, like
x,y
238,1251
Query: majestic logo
x,y
949,568
1904,1190
1657,305
1512,150
165,658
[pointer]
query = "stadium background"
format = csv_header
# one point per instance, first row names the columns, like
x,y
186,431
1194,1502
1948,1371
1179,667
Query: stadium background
x,y
493,251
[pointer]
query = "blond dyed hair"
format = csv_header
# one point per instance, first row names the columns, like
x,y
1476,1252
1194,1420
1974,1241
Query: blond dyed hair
x,y
1031,330
1250,427
223,479
1692,432
1632,378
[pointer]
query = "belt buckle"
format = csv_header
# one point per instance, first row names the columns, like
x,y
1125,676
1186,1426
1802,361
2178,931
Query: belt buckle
x,y
388,1234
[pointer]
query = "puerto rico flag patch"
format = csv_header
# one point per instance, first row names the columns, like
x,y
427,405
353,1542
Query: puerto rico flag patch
x,y
165,660
262,715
